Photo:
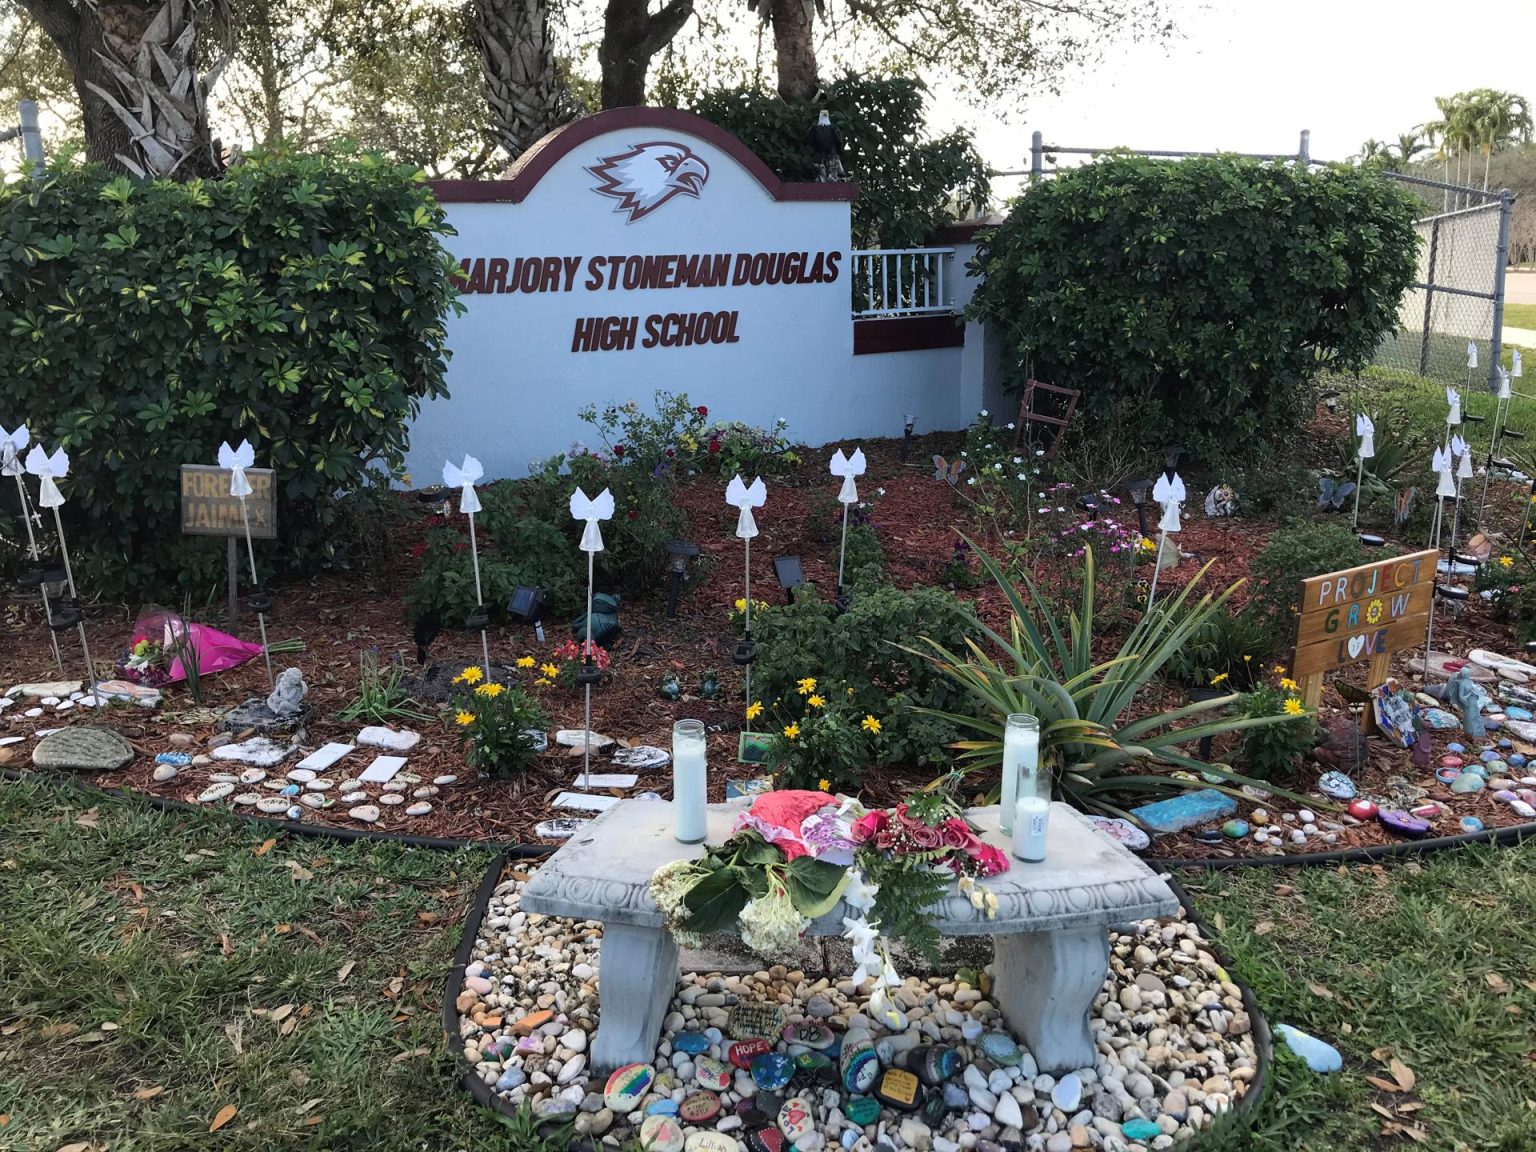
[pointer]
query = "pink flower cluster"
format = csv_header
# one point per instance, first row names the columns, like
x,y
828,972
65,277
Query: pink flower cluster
x,y
900,832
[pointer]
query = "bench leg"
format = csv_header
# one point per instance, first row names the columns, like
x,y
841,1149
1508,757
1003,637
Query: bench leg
x,y
636,980
1045,986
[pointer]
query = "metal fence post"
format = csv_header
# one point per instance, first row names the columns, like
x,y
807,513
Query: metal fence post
x,y
1036,156
1500,263
31,137
1429,293
1304,153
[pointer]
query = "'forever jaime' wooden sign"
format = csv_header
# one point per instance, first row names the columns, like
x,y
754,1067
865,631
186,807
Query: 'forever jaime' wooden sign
x,y
1363,613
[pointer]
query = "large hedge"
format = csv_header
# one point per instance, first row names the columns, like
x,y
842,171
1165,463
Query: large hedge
x,y
297,302
910,183
1194,302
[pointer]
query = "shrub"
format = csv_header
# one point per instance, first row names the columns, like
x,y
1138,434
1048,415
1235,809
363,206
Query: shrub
x,y
1227,651
909,183
499,725
856,663
821,747
1291,556
1211,291
297,302
1270,751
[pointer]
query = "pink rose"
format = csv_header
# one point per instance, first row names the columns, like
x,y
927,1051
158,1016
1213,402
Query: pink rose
x,y
955,834
922,837
990,859
867,825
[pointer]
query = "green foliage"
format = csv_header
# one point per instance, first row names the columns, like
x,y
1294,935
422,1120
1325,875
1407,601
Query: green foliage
x,y
856,663
1292,555
909,184
1093,750
1271,751
298,302
381,696
909,889
827,749
1399,453
1212,291
499,725
1228,645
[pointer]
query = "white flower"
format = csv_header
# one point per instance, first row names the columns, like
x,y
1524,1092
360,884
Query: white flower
x,y
962,455
1039,451
1021,476
972,480
1018,459
983,411
991,905
860,933
879,491
1010,426
771,925
860,894
997,467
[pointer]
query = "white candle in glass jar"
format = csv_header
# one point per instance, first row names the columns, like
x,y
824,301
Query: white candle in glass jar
x,y
1021,756
1031,816
690,780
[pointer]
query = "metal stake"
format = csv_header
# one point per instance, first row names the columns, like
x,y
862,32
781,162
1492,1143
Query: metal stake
x,y
1157,566
586,656
841,552
474,552
261,617
1354,522
69,574
747,572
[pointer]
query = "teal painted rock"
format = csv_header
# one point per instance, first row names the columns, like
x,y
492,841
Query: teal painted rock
x,y
1235,829
1468,782
1142,1130
1319,1056
1000,1048
862,1109
1189,810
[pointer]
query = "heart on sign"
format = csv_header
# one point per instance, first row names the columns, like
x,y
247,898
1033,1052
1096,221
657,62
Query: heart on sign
x,y
1356,646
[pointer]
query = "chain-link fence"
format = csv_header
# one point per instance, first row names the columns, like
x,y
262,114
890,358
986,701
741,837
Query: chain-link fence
x,y
1457,295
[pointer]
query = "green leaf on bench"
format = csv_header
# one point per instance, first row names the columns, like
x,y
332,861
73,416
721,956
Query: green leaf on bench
x,y
815,886
715,901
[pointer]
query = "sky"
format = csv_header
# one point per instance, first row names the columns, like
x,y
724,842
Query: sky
x,y
1248,75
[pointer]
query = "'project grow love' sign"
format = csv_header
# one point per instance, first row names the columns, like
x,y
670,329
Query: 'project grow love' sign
x,y
1363,613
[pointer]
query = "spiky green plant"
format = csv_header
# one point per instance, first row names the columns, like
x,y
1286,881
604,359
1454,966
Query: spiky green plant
x,y
1099,757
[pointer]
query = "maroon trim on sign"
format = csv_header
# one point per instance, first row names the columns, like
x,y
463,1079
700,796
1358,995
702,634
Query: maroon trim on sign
x,y
907,334
532,166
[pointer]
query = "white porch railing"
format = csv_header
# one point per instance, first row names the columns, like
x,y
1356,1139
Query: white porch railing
x,y
901,282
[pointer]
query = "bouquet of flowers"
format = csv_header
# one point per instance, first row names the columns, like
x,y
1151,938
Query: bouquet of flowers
x,y
570,657
794,854
145,662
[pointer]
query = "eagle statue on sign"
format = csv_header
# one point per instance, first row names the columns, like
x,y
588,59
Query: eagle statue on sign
x,y
827,146
646,176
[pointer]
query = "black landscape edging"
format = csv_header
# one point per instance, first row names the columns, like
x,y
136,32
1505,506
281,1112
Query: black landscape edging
x,y
1510,834
297,828
484,1094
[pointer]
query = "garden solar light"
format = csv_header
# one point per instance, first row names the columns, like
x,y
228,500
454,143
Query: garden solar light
x,y
679,553
909,421
527,605
1140,492
791,575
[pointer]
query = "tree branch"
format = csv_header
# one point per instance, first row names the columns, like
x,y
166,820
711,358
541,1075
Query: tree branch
x,y
666,24
61,20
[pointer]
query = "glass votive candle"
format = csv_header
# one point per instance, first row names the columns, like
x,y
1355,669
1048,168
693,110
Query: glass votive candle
x,y
690,780
1032,814
1021,754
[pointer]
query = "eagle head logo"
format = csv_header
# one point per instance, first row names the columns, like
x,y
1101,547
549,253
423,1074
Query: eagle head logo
x,y
646,176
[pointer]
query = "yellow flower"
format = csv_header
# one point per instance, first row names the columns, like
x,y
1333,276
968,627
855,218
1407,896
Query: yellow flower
x,y
1506,561
549,670
792,731
1247,659
688,442
1146,544
463,719
850,691
754,709
1373,611
1288,684
741,604
1218,678
870,724
815,701
543,682
1278,669
490,691
525,661
824,784
470,675
807,686
1293,707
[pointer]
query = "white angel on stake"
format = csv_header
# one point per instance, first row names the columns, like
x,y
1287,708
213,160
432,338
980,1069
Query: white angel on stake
x,y
237,460
12,444
49,470
592,511
1453,399
848,467
464,477
1365,430
1169,492
745,497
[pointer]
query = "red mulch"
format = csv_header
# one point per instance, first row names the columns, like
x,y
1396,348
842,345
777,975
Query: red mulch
x,y
339,616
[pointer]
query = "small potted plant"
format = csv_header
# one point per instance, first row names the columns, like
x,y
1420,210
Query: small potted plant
x,y
501,728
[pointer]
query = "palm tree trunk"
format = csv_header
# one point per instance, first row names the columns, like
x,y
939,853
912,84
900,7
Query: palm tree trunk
x,y
795,50
522,82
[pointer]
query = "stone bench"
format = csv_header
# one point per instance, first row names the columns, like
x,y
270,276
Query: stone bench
x,y
1050,935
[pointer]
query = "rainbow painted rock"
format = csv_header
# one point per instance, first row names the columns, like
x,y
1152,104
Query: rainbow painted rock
x,y
661,1134
859,1065
628,1086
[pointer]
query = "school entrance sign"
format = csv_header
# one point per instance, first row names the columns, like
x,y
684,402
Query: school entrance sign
x,y
635,250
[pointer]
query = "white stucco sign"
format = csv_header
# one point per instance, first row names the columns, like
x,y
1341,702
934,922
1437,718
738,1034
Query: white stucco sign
x,y
638,249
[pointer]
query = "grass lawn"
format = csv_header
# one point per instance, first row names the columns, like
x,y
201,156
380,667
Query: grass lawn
x,y
157,970
1520,315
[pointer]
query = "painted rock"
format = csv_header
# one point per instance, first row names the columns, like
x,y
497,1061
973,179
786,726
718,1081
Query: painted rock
x,y
1447,775
862,1110
1455,746
1439,719
245,798
1362,809
765,1140
1522,808
712,1074
889,1015
663,1107
1496,768
1402,823
1488,755
1209,836
1506,744
815,1063
699,1107
1336,785
272,805
707,1141
934,1065
1515,760
743,1052
796,1119
898,1088
772,1070
1068,1093
1000,1048
1451,761
749,1020
690,1042
1123,831
858,1066
1515,712
1430,811
1319,1056
1235,829
1139,1129
627,1086
214,792
661,1134
175,759
934,1109
809,1034
1471,824
1468,782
